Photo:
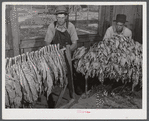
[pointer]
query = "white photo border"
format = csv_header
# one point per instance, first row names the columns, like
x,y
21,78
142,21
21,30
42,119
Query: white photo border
x,y
72,113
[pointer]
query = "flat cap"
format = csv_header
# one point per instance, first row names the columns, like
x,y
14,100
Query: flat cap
x,y
61,10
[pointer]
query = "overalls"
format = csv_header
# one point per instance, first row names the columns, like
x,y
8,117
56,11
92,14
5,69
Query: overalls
x,y
63,38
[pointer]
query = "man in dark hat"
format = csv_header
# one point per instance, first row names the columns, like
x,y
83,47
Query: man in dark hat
x,y
119,28
64,33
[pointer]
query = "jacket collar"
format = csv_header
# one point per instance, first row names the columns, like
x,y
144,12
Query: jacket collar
x,y
114,29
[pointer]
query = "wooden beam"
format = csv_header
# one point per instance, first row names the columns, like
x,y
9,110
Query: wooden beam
x,y
31,44
99,20
103,22
8,41
87,15
75,15
39,42
15,30
61,96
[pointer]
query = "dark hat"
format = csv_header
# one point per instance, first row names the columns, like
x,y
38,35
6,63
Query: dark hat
x,y
120,18
61,10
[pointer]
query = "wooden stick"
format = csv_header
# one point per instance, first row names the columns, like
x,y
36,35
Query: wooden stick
x,y
70,104
86,86
60,96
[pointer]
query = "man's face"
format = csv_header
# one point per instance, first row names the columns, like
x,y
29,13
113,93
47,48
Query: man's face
x,y
119,26
61,18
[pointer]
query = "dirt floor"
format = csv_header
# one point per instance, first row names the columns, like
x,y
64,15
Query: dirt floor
x,y
96,98
103,100
53,98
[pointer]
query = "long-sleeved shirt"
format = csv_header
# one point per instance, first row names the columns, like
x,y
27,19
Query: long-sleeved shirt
x,y
111,31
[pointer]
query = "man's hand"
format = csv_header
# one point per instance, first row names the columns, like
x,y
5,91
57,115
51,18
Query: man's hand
x,y
73,47
63,49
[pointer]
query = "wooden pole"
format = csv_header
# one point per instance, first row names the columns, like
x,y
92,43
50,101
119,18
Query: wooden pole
x,y
87,15
15,30
68,13
8,34
75,16
86,86
99,20
111,14
31,15
60,96
8,27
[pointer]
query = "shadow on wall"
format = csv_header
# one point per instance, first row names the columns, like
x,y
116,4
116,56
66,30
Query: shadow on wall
x,y
137,34
102,30
39,43
106,25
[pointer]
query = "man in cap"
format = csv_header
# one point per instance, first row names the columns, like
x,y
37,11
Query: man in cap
x,y
119,28
64,33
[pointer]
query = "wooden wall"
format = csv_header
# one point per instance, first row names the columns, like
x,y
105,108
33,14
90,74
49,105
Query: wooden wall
x,y
134,18
106,16
35,44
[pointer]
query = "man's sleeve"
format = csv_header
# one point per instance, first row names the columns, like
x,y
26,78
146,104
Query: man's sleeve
x,y
73,34
107,34
130,36
49,35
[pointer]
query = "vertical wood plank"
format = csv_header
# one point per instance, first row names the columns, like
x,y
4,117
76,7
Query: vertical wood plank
x,y
8,30
99,19
87,15
105,19
75,15
15,30
22,51
103,9
111,14
138,24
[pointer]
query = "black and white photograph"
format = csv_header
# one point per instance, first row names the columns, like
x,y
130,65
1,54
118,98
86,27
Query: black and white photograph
x,y
71,60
